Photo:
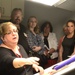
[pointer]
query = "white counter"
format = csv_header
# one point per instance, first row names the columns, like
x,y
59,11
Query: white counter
x,y
61,71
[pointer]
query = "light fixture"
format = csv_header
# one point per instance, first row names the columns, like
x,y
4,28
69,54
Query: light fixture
x,y
60,2
46,2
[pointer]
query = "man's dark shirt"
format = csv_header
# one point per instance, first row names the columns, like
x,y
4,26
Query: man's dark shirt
x,y
23,38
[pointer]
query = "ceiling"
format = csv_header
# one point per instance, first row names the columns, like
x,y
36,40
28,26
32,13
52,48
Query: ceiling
x,y
58,15
65,4
68,5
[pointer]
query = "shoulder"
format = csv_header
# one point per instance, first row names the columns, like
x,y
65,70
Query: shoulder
x,y
41,33
62,38
23,28
52,34
21,25
22,50
30,34
4,50
28,31
20,46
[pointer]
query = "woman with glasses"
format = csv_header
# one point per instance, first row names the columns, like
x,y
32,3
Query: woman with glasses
x,y
13,58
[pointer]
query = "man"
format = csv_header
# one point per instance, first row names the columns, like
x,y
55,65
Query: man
x,y
16,18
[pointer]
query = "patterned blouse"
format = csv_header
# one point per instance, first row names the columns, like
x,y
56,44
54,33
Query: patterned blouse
x,y
35,40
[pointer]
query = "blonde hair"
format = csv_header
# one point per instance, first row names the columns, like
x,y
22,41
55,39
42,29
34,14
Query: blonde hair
x,y
4,28
36,29
64,27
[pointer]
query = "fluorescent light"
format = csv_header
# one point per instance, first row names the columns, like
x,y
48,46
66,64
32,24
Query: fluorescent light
x,y
46,2
58,3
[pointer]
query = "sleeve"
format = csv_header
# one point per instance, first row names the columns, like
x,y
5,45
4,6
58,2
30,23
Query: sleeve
x,y
55,43
40,41
6,60
30,40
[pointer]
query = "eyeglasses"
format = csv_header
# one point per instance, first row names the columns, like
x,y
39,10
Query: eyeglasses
x,y
11,32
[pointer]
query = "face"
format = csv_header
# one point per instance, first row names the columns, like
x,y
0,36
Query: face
x,y
47,28
11,36
32,22
70,27
17,17
65,30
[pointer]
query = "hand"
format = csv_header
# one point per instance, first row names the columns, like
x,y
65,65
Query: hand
x,y
50,73
36,48
47,73
32,60
38,68
59,59
46,52
51,50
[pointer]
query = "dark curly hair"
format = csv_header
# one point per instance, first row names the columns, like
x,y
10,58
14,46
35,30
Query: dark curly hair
x,y
45,24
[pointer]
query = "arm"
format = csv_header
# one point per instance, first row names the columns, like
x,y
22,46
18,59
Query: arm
x,y
20,62
33,42
36,48
38,68
73,52
40,41
51,50
55,43
30,40
52,42
60,54
60,43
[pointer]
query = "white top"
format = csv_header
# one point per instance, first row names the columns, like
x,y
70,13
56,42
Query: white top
x,y
52,40
61,71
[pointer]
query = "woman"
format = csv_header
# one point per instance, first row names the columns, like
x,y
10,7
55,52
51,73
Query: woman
x,y
35,41
50,41
67,48
13,58
65,30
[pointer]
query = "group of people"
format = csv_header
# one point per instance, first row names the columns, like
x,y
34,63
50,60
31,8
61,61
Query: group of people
x,y
14,49
24,49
